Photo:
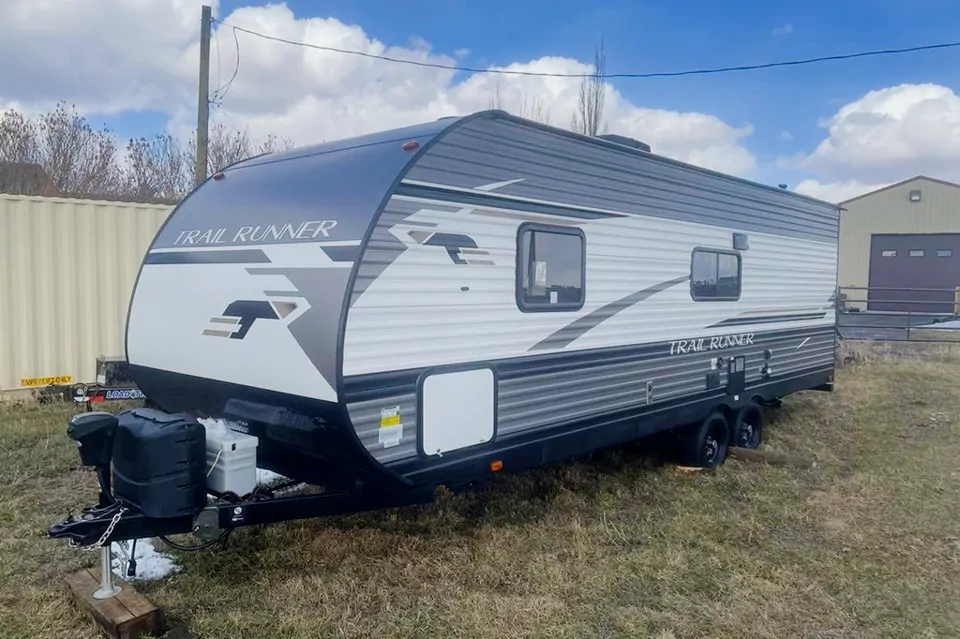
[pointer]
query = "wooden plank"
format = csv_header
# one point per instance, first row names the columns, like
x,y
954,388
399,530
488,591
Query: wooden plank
x,y
126,616
690,470
769,457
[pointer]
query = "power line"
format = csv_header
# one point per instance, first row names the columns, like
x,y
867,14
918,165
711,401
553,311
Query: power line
x,y
661,74
222,91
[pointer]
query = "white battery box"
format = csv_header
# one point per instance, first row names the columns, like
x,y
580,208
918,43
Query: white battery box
x,y
231,461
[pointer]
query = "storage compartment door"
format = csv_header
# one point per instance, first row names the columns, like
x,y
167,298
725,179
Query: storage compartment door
x,y
458,410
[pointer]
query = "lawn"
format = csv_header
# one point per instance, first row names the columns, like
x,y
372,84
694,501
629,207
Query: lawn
x,y
864,544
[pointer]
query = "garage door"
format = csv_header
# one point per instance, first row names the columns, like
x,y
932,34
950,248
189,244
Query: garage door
x,y
917,264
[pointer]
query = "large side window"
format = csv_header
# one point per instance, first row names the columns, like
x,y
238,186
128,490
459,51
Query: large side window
x,y
715,275
550,268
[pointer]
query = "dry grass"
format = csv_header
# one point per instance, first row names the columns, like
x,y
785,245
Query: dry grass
x,y
867,544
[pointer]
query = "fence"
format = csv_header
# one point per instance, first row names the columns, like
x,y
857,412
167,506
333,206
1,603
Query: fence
x,y
898,313
67,269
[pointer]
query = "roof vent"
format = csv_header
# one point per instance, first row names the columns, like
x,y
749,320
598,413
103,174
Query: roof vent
x,y
625,141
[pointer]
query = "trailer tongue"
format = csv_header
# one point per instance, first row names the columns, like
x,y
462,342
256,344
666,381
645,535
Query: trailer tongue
x,y
152,470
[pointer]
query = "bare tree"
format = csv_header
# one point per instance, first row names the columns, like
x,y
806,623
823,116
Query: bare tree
x,y
496,99
273,144
80,161
588,118
534,109
159,169
18,138
20,170
530,108
59,153
228,146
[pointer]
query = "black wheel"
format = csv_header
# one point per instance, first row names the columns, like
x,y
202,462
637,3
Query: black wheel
x,y
706,444
748,427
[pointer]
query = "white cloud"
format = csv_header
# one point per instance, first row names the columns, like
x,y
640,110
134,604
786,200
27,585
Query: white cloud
x,y
887,135
104,55
786,136
783,30
109,56
835,191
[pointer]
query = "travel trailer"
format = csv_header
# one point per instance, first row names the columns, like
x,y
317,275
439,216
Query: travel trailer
x,y
427,306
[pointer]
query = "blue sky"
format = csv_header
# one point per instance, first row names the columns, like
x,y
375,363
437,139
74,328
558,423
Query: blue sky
x,y
153,90
658,36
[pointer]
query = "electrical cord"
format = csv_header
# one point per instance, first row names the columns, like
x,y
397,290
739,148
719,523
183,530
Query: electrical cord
x,y
207,544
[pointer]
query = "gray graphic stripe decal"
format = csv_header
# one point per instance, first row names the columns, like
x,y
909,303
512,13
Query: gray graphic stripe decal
x,y
767,319
341,253
474,199
245,256
578,327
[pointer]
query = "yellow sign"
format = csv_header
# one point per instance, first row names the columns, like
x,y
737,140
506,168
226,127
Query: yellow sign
x,y
390,417
46,381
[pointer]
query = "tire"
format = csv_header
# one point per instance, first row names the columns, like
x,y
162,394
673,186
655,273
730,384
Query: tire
x,y
705,445
747,429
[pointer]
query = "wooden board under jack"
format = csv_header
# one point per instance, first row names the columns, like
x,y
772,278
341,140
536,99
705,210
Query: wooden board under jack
x,y
126,616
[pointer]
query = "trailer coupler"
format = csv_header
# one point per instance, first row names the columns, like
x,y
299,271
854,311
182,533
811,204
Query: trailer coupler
x,y
99,526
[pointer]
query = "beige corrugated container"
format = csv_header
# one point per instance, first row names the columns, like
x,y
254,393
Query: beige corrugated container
x,y
888,210
67,269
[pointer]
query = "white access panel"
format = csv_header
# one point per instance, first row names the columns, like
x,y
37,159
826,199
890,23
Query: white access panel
x,y
457,410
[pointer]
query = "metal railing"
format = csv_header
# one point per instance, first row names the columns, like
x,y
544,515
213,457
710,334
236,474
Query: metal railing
x,y
898,313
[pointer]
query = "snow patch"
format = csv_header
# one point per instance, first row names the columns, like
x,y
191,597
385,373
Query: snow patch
x,y
151,564
268,478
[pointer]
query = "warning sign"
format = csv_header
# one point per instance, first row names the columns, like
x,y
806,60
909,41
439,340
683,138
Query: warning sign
x,y
46,381
391,428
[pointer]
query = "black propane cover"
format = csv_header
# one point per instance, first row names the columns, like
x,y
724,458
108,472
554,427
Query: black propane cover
x,y
159,463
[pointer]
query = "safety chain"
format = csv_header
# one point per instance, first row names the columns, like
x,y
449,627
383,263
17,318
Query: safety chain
x,y
104,537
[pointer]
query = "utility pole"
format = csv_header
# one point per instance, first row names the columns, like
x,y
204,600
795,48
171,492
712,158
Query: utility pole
x,y
203,98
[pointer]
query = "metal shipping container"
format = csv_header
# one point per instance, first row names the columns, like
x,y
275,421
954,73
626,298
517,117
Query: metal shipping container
x,y
67,268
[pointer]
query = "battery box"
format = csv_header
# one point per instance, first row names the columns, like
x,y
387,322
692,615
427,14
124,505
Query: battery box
x,y
231,461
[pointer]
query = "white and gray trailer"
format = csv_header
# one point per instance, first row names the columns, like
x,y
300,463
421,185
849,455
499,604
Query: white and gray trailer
x,y
427,305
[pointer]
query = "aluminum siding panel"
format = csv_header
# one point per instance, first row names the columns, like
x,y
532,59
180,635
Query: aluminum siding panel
x,y
68,268
559,168
540,397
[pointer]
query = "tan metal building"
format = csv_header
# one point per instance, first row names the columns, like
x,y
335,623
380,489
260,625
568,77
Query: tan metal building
x,y
67,269
898,241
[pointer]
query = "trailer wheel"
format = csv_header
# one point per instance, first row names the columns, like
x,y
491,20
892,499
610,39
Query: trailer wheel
x,y
748,426
706,444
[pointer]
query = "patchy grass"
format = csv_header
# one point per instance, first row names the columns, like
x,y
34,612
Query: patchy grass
x,y
866,544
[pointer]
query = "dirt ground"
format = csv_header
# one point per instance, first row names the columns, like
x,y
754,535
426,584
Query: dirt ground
x,y
865,544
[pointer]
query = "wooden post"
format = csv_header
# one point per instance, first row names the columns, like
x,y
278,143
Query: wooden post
x,y
203,97
128,615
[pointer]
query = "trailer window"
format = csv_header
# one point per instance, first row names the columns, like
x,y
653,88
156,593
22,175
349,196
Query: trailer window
x,y
550,268
714,275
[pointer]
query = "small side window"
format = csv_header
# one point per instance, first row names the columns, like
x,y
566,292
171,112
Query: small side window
x,y
715,275
888,254
944,253
550,268
916,253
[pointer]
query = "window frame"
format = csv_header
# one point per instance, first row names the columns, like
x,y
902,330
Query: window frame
x,y
892,253
718,252
520,291
922,252
948,252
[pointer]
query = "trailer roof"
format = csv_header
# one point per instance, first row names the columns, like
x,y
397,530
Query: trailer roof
x,y
436,129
